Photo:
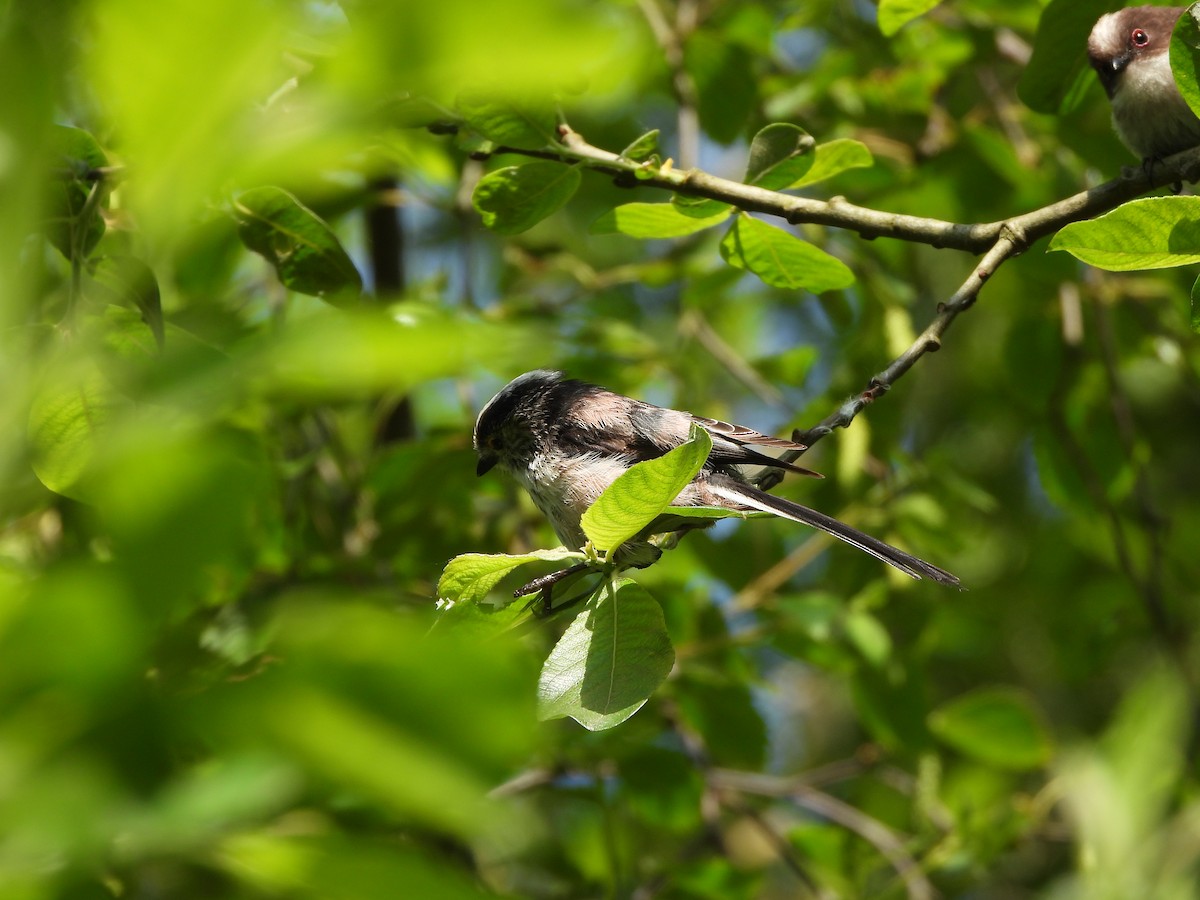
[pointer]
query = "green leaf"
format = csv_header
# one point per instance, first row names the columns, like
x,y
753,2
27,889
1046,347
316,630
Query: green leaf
x,y
895,14
306,254
516,198
643,148
1056,77
130,281
1153,233
868,636
833,158
67,420
511,123
74,225
997,726
1195,320
781,259
1185,58
405,775
643,491
724,73
780,155
653,220
469,578
609,660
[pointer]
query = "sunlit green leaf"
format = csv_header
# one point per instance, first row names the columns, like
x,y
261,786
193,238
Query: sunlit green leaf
x,y
306,254
832,158
1151,233
998,726
782,259
469,578
66,419
654,220
371,352
516,198
895,14
609,660
643,148
643,491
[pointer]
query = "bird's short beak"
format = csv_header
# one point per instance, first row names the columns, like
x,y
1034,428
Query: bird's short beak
x,y
486,464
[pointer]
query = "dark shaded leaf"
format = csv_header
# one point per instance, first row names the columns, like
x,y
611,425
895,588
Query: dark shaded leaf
x,y
999,726
724,76
1054,80
79,193
1185,58
306,254
780,155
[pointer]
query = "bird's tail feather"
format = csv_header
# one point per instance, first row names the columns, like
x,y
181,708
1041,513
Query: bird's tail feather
x,y
733,490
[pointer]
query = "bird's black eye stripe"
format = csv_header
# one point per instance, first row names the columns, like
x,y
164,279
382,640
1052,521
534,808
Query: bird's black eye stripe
x,y
1139,38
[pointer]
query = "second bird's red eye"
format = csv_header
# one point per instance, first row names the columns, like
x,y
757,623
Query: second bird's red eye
x,y
1139,38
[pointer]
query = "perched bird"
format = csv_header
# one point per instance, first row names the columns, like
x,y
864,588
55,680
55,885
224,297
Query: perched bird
x,y
566,441
1129,51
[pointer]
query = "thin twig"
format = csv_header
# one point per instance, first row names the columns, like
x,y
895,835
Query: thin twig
x,y
1150,585
693,324
871,830
1011,242
671,40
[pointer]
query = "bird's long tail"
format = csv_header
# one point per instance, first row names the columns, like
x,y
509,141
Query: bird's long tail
x,y
732,490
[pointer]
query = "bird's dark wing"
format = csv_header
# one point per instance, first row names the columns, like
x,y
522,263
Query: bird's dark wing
x,y
732,445
592,419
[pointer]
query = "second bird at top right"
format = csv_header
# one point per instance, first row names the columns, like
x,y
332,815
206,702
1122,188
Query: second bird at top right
x,y
1129,51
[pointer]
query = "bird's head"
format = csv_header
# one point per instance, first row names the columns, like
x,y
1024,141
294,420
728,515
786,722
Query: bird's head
x,y
1125,37
511,424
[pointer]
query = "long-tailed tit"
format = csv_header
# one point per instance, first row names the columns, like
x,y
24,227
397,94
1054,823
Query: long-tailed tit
x,y
1129,51
566,441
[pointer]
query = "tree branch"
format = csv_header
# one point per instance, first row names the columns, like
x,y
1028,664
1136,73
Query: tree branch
x,y
837,212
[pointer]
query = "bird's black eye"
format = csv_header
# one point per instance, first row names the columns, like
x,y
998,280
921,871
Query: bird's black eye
x,y
1139,38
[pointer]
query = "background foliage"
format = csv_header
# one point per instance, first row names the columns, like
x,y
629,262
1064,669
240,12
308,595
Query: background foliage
x,y
231,478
